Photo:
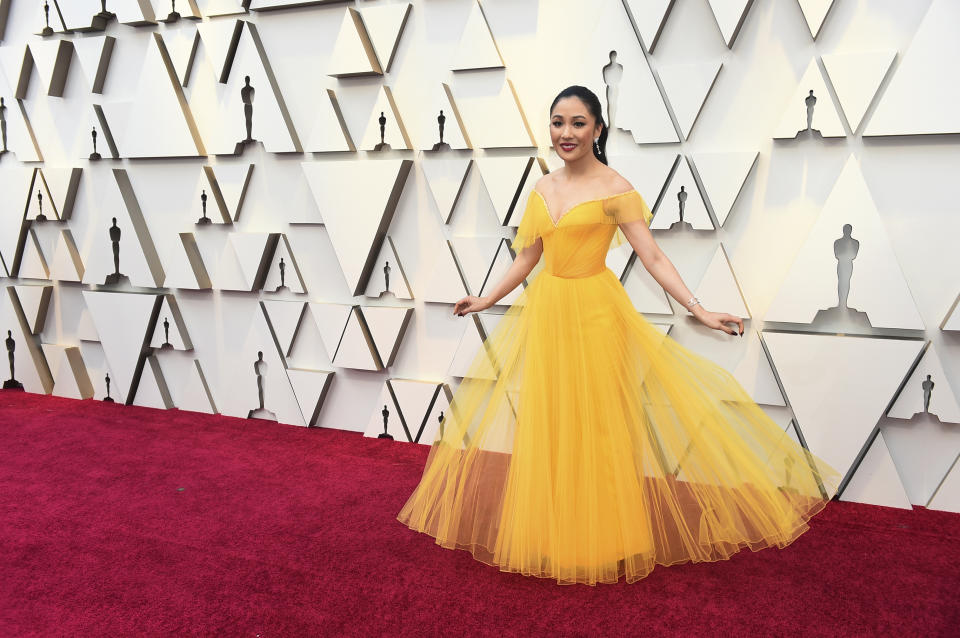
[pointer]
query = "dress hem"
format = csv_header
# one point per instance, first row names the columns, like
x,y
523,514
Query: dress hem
x,y
753,545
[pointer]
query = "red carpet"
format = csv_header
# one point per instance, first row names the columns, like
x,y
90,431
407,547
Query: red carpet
x,y
120,521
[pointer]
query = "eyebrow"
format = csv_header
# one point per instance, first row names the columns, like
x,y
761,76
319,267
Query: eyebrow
x,y
572,118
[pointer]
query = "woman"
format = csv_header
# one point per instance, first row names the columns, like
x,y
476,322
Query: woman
x,y
583,443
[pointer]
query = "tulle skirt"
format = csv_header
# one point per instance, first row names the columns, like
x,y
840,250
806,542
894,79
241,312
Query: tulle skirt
x,y
584,445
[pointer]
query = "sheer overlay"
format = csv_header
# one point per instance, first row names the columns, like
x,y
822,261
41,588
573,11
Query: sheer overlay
x,y
585,445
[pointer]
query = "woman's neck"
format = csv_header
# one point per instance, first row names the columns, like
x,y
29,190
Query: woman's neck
x,y
580,168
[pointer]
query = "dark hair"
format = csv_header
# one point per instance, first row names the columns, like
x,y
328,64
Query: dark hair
x,y
589,98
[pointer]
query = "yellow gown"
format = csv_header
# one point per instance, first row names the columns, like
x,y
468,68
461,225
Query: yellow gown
x,y
585,445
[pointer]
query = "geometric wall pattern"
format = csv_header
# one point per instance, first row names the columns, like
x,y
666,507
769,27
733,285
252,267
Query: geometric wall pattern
x,y
267,208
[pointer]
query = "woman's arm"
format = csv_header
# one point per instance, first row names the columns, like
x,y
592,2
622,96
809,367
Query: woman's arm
x,y
524,262
665,273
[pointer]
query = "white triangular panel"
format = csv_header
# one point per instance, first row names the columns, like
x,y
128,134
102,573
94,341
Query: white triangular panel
x,y
309,387
331,321
93,54
139,13
220,111
856,78
814,12
182,46
718,289
443,283
476,48
923,448
272,124
943,402
109,120
414,398
16,182
649,16
825,117
21,140
876,481
394,425
475,256
76,14
70,378
66,264
377,285
503,178
687,87
839,386
292,278
636,84
353,53
97,370
329,132
213,8
384,25
187,385
122,320
427,123
51,59
35,207
695,211
536,171
284,319
34,300
386,327
723,176
494,115
355,350
186,9
218,37
46,236
30,367
32,263
86,329
952,320
232,181
470,346
947,496
922,95
157,100
394,129
151,391
356,219
877,285
730,15
250,249
445,177
221,262
12,58
501,264
62,186
754,373
179,337
236,382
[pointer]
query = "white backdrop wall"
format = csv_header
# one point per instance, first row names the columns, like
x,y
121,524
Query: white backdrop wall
x,y
710,97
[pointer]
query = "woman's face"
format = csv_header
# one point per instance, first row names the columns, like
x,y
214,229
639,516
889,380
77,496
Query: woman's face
x,y
572,129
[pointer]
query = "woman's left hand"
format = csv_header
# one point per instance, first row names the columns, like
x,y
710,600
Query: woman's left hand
x,y
719,321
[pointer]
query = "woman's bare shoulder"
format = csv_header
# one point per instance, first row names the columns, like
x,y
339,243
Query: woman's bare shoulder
x,y
615,182
546,182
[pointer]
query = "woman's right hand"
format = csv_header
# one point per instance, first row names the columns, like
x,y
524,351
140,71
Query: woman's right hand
x,y
470,304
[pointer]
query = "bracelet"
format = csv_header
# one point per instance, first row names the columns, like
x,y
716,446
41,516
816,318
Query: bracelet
x,y
693,302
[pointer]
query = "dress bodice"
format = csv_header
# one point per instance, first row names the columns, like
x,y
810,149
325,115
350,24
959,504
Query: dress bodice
x,y
575,244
